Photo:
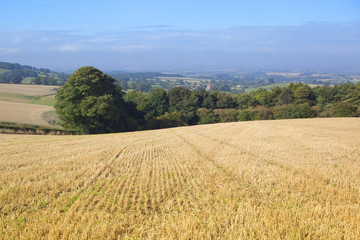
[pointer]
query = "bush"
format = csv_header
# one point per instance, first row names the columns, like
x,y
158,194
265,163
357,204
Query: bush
x,y
263,113
245,115
207,116
227,115
342,109
293,111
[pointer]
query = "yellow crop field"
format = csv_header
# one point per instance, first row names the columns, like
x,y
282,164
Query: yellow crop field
x,y
24,113
283,179
26,104
28,90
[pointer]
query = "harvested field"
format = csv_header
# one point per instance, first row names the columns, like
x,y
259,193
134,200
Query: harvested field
x,y
285,179
28,90
23,113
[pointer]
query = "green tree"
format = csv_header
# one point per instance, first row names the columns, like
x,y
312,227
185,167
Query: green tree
x,y
225,101
342,109
286,97
245,115
91,102
302,93
207,116
209,101
262,96
185,102
290,111
157,103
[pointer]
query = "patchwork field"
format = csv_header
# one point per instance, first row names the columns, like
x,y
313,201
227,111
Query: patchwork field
x,y
24,113
28,90
285,179
26,103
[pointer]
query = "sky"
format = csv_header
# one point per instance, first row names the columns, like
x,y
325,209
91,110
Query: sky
x,y
179,35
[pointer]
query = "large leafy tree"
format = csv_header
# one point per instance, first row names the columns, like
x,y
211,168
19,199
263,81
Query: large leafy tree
x,y
90,101
157,103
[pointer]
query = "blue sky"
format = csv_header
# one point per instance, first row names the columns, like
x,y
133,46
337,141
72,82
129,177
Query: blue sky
x,y
203,35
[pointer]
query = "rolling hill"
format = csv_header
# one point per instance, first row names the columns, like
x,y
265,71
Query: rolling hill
x,y
281,179
17,74
27,104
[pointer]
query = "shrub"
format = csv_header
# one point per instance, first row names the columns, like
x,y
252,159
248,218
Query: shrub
x,y
342,109
227,115
207,116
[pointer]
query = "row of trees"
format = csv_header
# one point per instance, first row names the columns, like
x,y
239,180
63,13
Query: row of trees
x,y
91,101
16,73
180,106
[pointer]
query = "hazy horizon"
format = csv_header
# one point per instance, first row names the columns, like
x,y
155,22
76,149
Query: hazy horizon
x,y
230,35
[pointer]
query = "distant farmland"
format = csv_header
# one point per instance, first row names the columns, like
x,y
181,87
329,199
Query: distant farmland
x,y
23,113
26,104
281,179
29,90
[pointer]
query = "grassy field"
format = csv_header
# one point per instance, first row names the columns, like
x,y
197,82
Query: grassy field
x,y
28,90
26,103
285,179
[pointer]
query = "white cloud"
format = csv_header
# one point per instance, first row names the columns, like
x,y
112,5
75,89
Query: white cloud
x,y
129,48
325,42
70,48
10,50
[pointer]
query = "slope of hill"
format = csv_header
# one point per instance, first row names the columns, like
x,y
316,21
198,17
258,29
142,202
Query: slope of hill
x,y
283,179
16,73
27,104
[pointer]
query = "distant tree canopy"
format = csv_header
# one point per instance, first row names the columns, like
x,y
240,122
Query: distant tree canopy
x,y
16,73
91,102
180,106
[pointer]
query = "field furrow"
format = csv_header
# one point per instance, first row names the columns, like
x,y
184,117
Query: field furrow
x,y
293,179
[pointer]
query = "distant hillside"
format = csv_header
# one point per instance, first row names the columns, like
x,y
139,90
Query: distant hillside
x,y
23,74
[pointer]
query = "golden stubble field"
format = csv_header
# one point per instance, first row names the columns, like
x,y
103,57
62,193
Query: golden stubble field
x,y
24,113
28,90
284,179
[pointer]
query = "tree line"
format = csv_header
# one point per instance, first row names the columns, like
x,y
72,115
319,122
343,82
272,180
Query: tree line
x,y
16,73
180,106
90,101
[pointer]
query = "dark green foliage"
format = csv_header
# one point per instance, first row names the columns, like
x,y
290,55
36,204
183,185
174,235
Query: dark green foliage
x,y
245,115
185,102
293,111
178,97
274,95
157,104
207,116
262,97
91,102
105,111
295,101
210,102
286,97
245,101
263,113
227,115
165,121
225,100
342,109
302,93
324,95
